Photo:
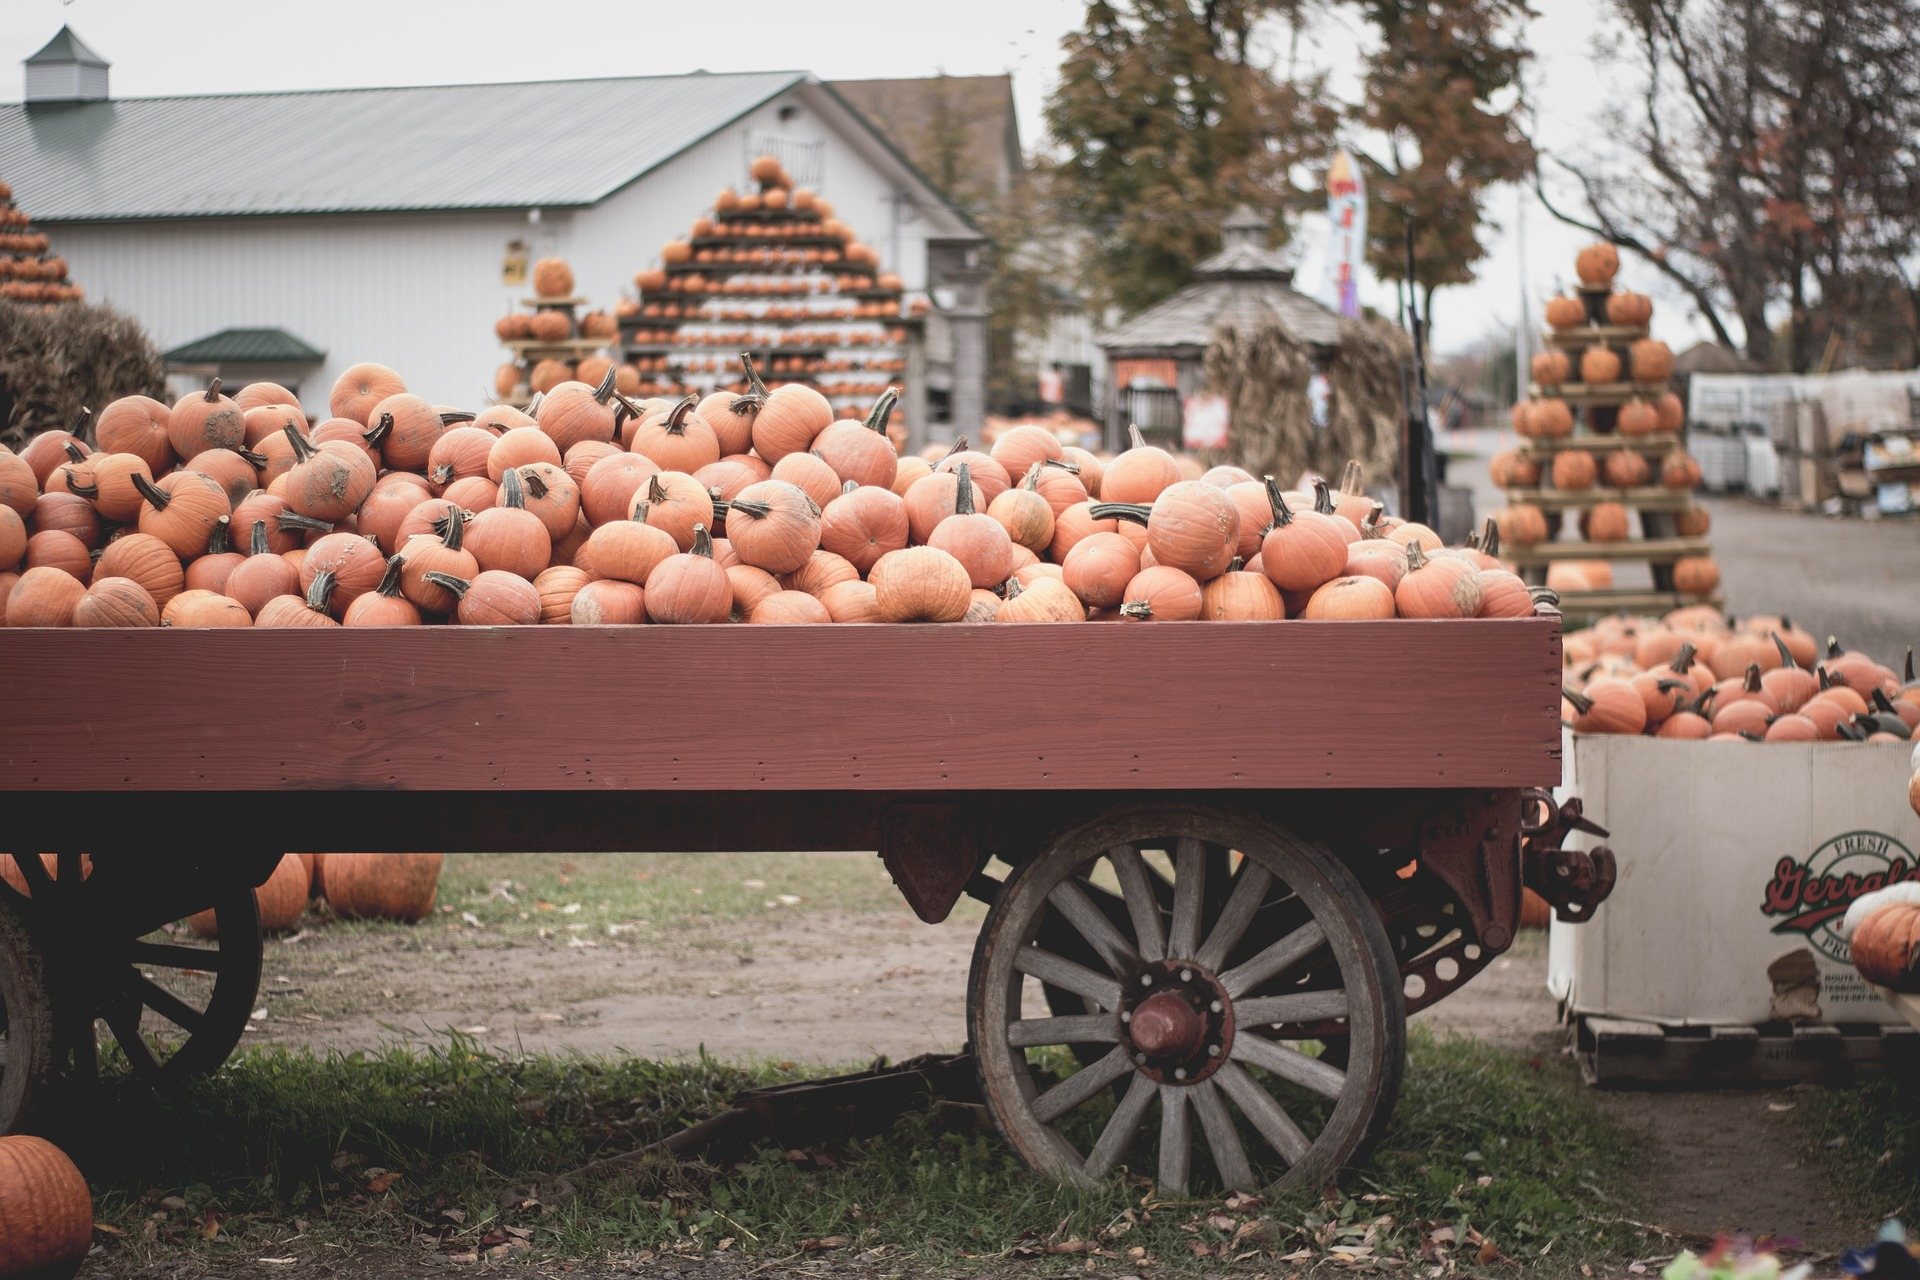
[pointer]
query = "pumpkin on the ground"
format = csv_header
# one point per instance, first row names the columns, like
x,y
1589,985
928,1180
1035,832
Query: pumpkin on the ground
x,y
46,1211
382,886
281,900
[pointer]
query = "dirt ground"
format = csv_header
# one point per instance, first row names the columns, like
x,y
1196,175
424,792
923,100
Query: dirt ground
x,y
818,983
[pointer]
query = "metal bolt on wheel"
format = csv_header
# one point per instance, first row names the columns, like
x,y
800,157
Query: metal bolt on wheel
x,y
1191,960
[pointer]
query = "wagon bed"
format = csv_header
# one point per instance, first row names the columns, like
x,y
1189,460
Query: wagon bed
x,y
1318,826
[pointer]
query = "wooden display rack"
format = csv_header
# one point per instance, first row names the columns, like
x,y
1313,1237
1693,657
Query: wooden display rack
x,y
528,352
763,285
1595,406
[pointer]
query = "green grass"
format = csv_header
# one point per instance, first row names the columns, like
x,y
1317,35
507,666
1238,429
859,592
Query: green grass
x,y
284,1150
1870,1136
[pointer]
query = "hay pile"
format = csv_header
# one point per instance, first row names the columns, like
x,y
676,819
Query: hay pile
x,y
55,360
1263,372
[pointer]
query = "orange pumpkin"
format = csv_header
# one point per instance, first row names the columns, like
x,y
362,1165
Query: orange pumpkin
x,y
552,278
1886,946
1552,367
1564,312
1650,360
921,584
1605,522
1597,264
1629,308
1637,418
360,388
1696,575
1042,599
1608,706
1626,469
281,900
1574,470
383,886
1549,419
1350,599
46,1212
1599,365
773,526
689,587
1440,586
205,420
978,541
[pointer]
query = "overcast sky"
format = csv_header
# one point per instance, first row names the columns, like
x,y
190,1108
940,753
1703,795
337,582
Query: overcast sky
x,y
220,46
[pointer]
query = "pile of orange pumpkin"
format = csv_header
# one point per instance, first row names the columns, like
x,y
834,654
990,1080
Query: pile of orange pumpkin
x,y
356,886
595,509
1697,675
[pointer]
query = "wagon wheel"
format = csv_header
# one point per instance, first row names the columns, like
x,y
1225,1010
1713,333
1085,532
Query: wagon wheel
x,y
176,1004
26,1018
1189,1004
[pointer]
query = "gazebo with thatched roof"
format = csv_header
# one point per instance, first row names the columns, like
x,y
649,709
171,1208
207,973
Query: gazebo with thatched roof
x,y
1155,359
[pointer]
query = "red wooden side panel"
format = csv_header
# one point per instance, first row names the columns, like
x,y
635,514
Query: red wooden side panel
x,y
1160,706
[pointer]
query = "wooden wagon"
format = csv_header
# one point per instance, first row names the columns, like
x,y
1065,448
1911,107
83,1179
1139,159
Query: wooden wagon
x,y
1224,861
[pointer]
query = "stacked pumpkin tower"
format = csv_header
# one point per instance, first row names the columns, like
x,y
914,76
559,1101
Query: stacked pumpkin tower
x,y
1602,457
29,271
550,343
773,273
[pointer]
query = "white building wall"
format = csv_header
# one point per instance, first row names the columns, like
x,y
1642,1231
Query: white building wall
x,y
421,291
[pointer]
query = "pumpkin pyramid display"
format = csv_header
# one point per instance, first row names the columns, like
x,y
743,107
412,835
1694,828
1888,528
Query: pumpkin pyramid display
x,y
29,269
1599,393
771,271
550,344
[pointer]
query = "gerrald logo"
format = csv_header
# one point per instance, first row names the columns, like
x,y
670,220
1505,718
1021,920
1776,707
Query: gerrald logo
x,y
1811,896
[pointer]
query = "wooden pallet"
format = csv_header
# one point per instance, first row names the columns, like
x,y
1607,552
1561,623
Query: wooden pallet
x,y
572,300
1600,393
1584,606
1588,335
1623,1053
1649,499
1653,550
1659,442
564,347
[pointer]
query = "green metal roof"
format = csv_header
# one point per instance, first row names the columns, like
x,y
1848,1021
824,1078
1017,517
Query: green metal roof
x,y
67,47
246,346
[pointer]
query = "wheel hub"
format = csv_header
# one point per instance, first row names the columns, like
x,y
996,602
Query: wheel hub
x,y
1177,1021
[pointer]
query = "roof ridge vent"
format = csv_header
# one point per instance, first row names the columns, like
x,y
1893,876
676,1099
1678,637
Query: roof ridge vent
x,y
65,71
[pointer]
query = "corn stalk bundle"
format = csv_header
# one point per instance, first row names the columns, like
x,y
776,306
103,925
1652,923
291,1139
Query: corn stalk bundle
x,y
1366,405
54,360
1263,373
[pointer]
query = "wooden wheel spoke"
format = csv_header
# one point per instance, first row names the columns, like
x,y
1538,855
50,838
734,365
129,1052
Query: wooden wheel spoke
x,y
1081,1085
1189,896
1121,1127
1267,1115
123,1019
174,955
1304,1006
1290,1064
1079,1028
1142,906
1275,959
1249,891
34,871
165,1003
1229,1157
1176,1140
1071,901
1058,971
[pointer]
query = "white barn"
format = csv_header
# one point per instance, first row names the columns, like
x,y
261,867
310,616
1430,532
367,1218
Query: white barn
x,y
333,226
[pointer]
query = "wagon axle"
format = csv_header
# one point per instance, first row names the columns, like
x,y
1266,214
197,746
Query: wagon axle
x,y
1178,1022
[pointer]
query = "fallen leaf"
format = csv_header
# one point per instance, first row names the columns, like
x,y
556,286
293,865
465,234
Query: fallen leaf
x,y
725,1243
176,1204
277,1262
379,1184
1071,1246
823,1243
108,1229
1220,1222
1442,1235
478,1029
1489,1252
455,1216
1780,1106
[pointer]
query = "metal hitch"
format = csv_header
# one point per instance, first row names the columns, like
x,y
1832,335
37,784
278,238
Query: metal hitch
x,y
1574,881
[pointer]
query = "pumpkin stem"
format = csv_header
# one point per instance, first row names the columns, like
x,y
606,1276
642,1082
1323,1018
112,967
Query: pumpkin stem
x,y
677,416
1236,564
306,524
1786,654
213,391
962,490
959,446
88,491
302,447
1013,588
1544,595
456,521
259,547
513,492
1067,465
702,544
390,580
73,451
1581,702
1851,731
535,485
1416,558
1134,511
1371,527
845,489
1353,480
1752,684
379,431
81,421
320,590
1141,609
220,540
1751,736
533,405
1883,703
1910,675
154,495
1322,497
604,392
758,510
456,585
1833,647
454,417
656,492
756,390
441,475
252,459
1134,438
1281,514
1683,658
882,410
1490,541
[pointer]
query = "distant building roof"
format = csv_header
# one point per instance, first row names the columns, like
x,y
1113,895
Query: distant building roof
x,y
960,131
66,47
551,144
1712,357
1242,284
246,346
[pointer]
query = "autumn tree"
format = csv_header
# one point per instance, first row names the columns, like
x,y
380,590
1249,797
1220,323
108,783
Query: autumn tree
x,y
1765,163
1441,99
1166,116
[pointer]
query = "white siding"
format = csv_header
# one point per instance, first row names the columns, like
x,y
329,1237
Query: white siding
x,y
421,292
